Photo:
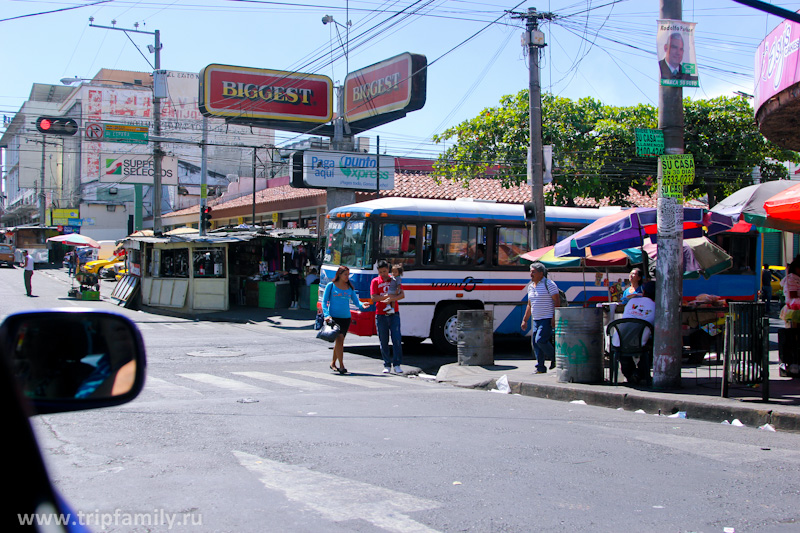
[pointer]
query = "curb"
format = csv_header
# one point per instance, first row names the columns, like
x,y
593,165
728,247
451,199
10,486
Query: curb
x,y
710,412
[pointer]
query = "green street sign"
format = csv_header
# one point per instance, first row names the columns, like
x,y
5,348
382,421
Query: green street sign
x,y
649,143
122,133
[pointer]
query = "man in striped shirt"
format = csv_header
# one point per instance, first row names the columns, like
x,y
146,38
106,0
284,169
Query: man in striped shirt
x,y
543,298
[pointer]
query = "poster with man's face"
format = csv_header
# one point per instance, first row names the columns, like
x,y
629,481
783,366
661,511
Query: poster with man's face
x,y
676,54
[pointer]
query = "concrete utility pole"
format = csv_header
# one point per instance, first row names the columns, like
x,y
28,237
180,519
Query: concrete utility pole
x,y
158,153
668,344
203,178
534,39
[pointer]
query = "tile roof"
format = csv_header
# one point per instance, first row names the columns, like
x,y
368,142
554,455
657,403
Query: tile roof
x,y
406,184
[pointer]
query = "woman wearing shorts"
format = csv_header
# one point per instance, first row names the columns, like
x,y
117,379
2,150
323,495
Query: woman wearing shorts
x,y
336,309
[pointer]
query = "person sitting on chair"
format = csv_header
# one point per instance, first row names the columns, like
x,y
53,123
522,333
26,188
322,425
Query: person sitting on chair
x,y
644,308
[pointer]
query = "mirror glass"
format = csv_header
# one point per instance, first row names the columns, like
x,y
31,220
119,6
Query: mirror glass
x,y
60,356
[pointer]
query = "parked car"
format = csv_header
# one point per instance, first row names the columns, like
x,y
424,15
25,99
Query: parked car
x,y
36,379
95,267
7,255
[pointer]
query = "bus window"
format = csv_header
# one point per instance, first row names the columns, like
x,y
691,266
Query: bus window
x,y
559,234
398,242
456,245
510,243
348,243
742,248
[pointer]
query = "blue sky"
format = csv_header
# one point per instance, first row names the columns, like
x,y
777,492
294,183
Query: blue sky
x,y
603,49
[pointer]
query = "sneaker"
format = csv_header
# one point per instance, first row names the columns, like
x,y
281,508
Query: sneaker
x,y
389,310
552,364
386,370
398,370
541,371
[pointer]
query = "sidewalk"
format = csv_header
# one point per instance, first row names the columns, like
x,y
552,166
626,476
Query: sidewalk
x,y
699,396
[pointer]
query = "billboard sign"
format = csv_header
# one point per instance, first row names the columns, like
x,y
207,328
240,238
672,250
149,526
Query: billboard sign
x,y
137,168
345,170
251,94
385,91
777,62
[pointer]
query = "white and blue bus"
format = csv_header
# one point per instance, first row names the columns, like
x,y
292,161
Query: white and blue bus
x,y
457,254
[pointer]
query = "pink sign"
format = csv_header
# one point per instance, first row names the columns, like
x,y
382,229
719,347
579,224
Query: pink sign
x,y
777,65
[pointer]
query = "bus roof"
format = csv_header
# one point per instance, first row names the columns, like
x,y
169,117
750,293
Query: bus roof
x,y
469,209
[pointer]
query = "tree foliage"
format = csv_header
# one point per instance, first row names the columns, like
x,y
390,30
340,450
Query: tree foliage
x,y
594,149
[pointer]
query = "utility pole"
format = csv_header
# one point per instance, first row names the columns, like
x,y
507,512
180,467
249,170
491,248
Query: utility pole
x,y
533,38
203,172
667,344
158,153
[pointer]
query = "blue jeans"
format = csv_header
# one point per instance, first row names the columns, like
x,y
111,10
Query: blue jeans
x,y
390,325
540,340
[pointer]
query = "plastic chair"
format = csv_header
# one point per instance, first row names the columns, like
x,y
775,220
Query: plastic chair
x,y
630,331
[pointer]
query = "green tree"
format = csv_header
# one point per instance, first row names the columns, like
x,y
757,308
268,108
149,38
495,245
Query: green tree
x,y
594,152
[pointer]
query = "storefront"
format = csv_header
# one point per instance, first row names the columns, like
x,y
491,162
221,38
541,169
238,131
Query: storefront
x,y
194,274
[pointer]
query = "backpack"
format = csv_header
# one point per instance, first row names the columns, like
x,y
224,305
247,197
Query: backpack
x,y
562,296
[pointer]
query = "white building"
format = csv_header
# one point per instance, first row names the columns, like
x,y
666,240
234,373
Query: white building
x,y
74,165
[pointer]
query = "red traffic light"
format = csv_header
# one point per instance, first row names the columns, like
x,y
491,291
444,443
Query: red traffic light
x,y
57,125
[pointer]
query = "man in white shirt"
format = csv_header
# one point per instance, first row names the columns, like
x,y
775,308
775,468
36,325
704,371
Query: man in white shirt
x,y
543,298
27,263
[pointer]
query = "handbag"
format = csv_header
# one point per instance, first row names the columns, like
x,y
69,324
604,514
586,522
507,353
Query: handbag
x,y
328,332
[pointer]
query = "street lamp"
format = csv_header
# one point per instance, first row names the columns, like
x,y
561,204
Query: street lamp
x,y
340,124
76,79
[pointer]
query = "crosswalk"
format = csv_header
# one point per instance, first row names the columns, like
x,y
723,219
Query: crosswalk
x,y
193,385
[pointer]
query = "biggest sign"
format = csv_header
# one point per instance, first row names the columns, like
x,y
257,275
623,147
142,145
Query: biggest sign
x,y
385,91
244,93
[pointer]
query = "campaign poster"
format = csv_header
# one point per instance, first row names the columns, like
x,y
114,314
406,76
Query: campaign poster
x,y
677,62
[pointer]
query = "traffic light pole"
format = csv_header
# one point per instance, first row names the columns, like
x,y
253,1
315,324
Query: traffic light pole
x,y
42,198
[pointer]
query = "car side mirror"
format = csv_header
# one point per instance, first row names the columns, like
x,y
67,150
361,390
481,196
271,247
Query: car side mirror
x,y
70,360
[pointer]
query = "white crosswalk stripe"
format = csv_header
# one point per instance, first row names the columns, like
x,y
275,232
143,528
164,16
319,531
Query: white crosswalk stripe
x,y
283,380
168,390
350,380
223,383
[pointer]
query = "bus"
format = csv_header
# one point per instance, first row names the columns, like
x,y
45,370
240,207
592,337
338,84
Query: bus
x,y
457,254
33,239
465,254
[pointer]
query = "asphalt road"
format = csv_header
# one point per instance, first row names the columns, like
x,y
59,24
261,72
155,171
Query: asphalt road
x,y
241,428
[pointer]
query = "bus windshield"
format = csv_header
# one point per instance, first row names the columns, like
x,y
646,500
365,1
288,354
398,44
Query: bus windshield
x,y
349,243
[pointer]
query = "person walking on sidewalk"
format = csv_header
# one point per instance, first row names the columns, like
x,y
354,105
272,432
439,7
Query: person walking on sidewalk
x,y
543,297
387,324
766,286
336,309
27,264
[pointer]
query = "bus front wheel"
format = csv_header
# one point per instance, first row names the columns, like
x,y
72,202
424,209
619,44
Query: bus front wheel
x,y
445,329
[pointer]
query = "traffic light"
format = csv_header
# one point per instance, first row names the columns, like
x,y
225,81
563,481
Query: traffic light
x,y
57,125
205,217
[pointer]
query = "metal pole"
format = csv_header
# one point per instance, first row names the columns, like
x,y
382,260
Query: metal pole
x,y
158,154
535,125
41,184
203,172
378,168
254,186
667,346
